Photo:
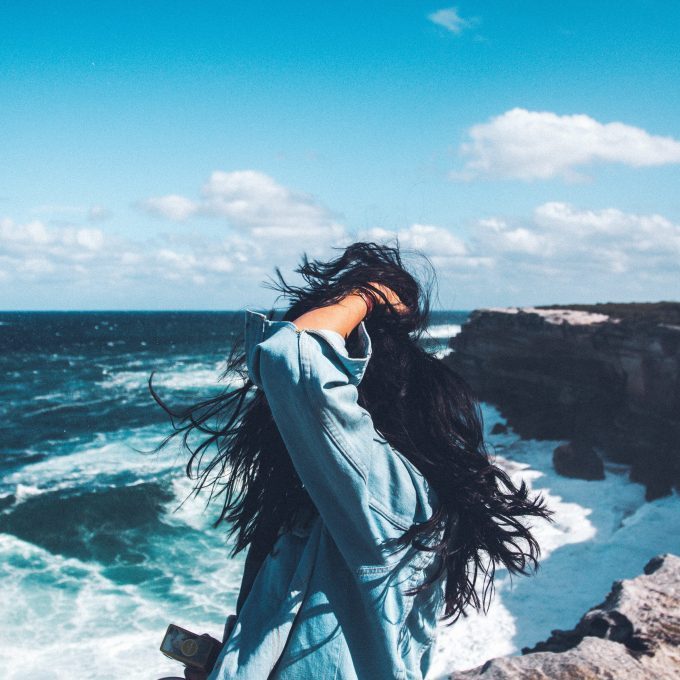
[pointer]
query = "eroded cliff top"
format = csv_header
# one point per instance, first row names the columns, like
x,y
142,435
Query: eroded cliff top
x,y
663,312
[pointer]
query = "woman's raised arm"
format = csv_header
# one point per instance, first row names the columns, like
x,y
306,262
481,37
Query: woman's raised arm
x,y
343,317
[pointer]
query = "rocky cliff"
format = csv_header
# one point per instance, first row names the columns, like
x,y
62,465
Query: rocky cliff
x,y
633,635
606,377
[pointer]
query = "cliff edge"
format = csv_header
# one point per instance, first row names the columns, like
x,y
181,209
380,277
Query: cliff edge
x,y
633,635
605,376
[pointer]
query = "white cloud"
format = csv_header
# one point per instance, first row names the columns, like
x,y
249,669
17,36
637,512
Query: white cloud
x,y
35,236
509,239
443,247
34,250
257,205
450,19
267,224
529,145
92,239
562,238
172,207
559,250
253,200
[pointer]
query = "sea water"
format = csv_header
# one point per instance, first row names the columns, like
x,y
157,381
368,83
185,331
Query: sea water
x,y
102,546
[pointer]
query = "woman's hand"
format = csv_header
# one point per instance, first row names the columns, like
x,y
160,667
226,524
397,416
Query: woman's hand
x,y
391,296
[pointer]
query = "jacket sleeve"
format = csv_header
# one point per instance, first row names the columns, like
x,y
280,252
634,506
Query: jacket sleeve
x,y
310,383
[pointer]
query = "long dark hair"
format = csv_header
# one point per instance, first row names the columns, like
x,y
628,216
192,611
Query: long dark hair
x,y
422,407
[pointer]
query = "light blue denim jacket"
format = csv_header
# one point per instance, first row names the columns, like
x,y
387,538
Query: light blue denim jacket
x,y
330,604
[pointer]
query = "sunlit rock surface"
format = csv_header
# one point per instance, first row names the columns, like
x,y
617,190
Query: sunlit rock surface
x,y
633,635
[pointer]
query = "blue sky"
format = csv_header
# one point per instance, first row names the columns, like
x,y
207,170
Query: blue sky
x,y
164,155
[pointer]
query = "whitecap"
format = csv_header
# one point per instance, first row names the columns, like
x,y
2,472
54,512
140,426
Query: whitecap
x,y
440,354
603,530
448,330
186,377
62,616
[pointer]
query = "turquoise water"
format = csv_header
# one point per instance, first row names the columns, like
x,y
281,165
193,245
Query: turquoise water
x,y
101,547
98,552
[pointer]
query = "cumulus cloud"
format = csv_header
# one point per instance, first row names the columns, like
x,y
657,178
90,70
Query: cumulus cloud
x,y
264,224
41,253
558,250
253,200
528,145
444,248
172,207
35,236
254,203
557,240
560,237
450,19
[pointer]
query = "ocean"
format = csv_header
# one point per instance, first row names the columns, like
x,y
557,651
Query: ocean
x,y
101,545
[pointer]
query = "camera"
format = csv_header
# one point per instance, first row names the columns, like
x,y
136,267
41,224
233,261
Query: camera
x,y
195,651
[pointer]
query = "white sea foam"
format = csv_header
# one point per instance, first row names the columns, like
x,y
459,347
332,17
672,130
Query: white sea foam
x,y
603,530
24,491
447,330
187,508
99,460
440,354
188,376
63,616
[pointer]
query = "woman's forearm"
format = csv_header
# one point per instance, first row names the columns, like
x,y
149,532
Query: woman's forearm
x,y
342,317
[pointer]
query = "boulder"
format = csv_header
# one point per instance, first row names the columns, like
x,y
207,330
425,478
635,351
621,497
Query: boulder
x,y
633,635
577,459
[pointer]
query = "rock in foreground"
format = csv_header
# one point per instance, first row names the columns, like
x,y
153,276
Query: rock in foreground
x,y
633,635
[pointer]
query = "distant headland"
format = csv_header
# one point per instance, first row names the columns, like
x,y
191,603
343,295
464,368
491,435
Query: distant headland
x,y
605,377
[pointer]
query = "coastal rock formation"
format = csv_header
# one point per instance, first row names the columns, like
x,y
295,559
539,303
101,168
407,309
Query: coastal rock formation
x,y
633,635
576,459
605,375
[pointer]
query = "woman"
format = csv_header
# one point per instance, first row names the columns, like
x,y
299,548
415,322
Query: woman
x,y
358,479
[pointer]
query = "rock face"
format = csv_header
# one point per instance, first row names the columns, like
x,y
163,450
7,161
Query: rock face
x,y
605,375
633,635
578,460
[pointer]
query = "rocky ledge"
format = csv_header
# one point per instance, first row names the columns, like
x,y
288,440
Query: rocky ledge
x,y
633,635
605,377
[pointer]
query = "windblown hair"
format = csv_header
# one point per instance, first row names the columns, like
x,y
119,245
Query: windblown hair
x,y
420,405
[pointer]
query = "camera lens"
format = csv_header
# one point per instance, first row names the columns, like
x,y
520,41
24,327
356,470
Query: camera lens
x,y
189,647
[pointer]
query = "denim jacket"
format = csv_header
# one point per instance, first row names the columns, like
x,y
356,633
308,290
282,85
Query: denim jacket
x,y
330,602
